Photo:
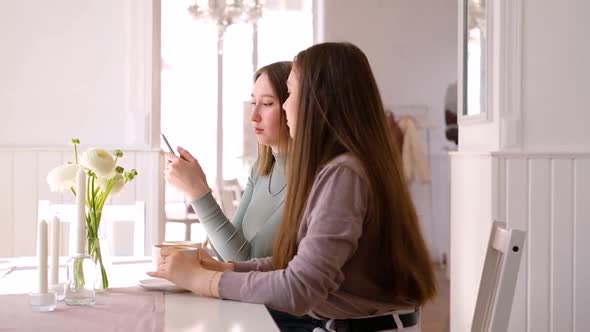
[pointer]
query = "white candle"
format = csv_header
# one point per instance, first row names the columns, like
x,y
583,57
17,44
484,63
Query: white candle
x,y
55,239
80,212
42,255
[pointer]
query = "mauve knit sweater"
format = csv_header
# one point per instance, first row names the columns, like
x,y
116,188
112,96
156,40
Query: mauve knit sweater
x,y
328,277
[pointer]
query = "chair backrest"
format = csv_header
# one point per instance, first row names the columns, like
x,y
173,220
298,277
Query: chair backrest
x,y
498,279
119,225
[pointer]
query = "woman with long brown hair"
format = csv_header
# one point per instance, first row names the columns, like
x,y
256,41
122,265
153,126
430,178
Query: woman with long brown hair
x,y
348,254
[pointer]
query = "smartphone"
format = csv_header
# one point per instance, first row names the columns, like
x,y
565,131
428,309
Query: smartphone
x,y
167,144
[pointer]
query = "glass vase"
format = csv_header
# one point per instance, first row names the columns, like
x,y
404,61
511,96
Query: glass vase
x,y
96,252
81,273
97,245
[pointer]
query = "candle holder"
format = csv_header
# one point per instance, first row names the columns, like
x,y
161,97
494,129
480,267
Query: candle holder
x,y
43,302
59,290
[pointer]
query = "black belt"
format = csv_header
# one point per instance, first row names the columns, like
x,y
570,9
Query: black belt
x,y
377,323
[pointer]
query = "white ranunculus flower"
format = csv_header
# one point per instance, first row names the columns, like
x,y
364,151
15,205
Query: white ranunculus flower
x,y
117,186
63,177
101,162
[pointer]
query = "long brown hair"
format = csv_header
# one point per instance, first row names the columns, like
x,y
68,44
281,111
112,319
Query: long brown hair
x,y
277,74
340,111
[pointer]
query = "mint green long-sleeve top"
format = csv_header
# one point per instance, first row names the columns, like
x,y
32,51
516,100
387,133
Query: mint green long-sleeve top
x,y
251,232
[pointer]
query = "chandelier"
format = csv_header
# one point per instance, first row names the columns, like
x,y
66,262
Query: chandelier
x,y
227,12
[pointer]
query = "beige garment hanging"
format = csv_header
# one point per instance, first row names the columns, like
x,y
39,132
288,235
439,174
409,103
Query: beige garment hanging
x,y
414,157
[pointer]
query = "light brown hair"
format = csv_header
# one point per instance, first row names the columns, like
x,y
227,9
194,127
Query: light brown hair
x,y
341,111
277,74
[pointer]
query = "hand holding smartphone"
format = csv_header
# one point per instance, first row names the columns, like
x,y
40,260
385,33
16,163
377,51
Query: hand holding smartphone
x,y
168,144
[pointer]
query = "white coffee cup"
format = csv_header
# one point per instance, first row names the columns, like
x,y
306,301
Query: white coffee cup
x,y
182,244
187,248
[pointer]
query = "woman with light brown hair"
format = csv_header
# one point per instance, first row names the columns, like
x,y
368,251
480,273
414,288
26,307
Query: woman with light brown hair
x,y
251,231
349,254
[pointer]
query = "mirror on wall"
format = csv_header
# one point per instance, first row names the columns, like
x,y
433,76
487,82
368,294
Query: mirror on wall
x,y
475,41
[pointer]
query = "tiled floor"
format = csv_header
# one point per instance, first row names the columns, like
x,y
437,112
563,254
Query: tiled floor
x,y
435,314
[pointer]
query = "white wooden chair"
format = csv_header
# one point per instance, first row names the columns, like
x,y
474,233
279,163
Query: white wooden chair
x,y
182,213
498,279
124,226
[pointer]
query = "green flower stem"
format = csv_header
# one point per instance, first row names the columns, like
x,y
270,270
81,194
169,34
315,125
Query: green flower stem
x,y
95,253
75,143
95,201
78,273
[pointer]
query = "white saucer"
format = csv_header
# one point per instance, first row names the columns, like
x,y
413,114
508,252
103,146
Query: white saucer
x,y
160,285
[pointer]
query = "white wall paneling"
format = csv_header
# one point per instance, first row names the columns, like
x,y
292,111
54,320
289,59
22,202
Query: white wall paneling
x,y
23,183
581,277
24,209
546,195
6,202
516,197
561,245
538,238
